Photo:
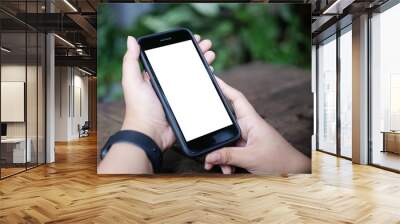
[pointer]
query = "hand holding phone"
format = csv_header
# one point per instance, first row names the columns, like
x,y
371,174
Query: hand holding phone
x,y
192,101
143,110
261,149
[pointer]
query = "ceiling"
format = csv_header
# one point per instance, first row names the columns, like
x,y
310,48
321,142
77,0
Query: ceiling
x,y
72,20
332,15
75,21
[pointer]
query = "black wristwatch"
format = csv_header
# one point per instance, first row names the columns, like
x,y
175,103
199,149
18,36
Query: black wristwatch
x,y
151,149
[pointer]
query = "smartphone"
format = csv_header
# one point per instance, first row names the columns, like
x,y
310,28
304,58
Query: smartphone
x,y
194,105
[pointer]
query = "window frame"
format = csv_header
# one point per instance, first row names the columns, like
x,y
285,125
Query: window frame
x,y
339,32
378,10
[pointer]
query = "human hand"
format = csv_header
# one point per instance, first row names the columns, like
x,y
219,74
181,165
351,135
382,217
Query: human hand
x,y
261,149
143,110
143,113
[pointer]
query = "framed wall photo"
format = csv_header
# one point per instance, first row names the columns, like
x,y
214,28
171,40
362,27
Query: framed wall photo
x,y
12,101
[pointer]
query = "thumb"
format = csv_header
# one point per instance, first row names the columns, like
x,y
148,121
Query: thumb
x,y
235,156
130,69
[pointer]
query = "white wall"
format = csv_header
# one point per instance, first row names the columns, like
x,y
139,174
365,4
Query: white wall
x,y
62,81
71,87
80,105
33,126
12,73
81,81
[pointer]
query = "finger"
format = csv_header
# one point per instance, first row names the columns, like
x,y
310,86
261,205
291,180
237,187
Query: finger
x,y
197,37
170,135
205,45
226,169
241,143
146,76
130,68
208,166
210,56
240,104
230,92
229,156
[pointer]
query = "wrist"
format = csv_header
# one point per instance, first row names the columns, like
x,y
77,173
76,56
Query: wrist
x,y
132,160
129,124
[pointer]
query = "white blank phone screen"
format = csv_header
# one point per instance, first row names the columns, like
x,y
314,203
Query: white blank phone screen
x,y
188,88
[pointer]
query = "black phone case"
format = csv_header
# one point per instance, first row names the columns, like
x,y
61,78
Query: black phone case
x,y
168,112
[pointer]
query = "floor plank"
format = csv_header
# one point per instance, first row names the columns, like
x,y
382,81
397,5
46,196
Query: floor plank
x,y
70,191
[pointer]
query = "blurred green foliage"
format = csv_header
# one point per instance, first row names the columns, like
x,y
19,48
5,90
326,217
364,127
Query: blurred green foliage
x,y
241,33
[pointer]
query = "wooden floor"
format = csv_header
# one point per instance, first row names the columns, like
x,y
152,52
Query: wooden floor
x,y
70,191
10,171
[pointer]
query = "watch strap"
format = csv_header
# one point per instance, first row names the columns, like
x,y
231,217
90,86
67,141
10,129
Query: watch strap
x,y
147,144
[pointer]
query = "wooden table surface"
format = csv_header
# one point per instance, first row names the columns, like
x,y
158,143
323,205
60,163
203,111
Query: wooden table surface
x,y
280,94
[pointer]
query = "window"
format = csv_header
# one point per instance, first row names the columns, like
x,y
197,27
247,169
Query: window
x,y
385,89
327,95
22,78
346,92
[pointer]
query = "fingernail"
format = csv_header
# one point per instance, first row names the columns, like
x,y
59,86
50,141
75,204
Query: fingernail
x,y
212,69
207,166
130,42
